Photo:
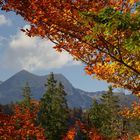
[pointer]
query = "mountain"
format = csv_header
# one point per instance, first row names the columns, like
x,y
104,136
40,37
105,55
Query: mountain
x,y
11,90
0,82
125,99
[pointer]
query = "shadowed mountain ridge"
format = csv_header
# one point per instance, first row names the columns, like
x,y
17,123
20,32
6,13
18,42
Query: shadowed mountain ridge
x,y
11,90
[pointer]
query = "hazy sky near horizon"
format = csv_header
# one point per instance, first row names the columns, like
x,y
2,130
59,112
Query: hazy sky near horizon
x,y
18,51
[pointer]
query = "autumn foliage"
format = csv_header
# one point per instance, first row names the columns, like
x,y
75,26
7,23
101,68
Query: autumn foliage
x,y
91,133
20,125
103,34
133,112
70,134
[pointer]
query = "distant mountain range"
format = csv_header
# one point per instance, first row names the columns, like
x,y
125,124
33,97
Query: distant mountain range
x,y
11,90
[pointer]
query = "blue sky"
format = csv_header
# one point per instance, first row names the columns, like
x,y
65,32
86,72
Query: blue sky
x,y
18,51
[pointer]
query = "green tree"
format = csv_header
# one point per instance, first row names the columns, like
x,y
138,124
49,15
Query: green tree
x,y
95,115
27,95
105,116
53,110
113,124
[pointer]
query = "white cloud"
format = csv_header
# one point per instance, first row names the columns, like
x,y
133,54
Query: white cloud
x,y
4,20
33,54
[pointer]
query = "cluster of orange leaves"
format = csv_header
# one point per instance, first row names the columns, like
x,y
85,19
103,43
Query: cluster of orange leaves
x,y
92,134
20,125
70,134
62,23
137,137
133,112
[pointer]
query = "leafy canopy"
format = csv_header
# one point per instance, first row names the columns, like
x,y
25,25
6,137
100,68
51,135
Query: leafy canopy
x,y
104,34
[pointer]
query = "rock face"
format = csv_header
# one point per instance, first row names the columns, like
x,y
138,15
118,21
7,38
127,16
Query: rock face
x,y
11,90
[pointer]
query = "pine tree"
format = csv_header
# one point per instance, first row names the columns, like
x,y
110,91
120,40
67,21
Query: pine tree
x,y
105,115
53,110
95,115
113,123
27,95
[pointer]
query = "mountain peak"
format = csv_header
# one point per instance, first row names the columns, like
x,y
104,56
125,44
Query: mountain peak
x,y
11,90
23,71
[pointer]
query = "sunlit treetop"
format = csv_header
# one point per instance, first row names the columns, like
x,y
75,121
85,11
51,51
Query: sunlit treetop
x,y
104,34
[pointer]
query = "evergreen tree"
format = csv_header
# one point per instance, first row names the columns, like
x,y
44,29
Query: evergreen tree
x,y
113,123
95,115
53,110
105,116
61,94
27,95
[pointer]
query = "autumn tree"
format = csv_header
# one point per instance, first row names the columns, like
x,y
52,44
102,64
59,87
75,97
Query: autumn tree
x,y
90,132
103,34
53,110
20,125
80,131
70,134
132,115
